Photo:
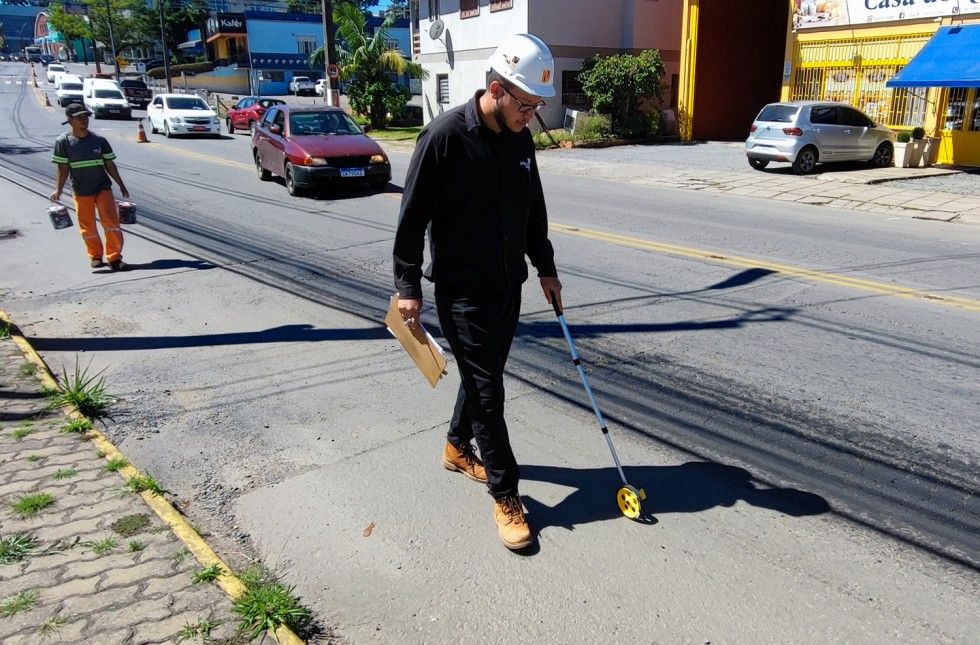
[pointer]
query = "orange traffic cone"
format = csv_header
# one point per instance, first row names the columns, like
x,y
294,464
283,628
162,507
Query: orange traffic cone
x,y
47,101
141,133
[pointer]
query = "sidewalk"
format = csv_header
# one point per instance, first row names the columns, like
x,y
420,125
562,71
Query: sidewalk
x,y
82,558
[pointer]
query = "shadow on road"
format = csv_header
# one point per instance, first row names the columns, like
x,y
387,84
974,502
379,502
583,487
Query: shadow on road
x,y
688,488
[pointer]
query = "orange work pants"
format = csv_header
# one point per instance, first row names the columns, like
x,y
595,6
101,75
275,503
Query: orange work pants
x,y
108,216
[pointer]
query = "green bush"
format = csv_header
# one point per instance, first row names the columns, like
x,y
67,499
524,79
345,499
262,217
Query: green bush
x,y
617,85
918,133
904,137
593,127
541,140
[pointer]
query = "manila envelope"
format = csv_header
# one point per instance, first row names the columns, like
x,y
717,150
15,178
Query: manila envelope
x,y
421,347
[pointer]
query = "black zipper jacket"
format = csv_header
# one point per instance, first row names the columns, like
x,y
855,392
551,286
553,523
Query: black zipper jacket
x,y
478,194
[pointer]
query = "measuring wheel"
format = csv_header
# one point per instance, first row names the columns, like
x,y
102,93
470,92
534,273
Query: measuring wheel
x,y
629,499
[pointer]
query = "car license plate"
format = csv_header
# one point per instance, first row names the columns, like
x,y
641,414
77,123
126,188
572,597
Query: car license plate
x,y
200,128
113,111
351,172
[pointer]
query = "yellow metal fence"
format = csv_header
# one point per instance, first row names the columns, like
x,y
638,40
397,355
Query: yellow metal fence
x,y
855,71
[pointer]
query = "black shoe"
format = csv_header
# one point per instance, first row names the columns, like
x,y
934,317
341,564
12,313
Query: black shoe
x,y
97,263
118,265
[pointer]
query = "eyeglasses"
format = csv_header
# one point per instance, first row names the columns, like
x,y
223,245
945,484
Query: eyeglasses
x,y
525,108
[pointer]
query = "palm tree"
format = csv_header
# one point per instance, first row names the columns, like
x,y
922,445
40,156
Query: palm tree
x,y
365,60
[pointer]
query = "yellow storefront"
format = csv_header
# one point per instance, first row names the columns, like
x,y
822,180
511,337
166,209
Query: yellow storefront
x,y
842,50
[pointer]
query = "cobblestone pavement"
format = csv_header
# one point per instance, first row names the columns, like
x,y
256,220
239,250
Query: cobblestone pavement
x,y
101,566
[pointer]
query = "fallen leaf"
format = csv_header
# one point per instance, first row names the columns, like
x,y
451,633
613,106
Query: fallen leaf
x,y
367,531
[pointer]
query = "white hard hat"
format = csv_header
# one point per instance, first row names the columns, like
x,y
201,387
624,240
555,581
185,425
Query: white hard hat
x,y
525,61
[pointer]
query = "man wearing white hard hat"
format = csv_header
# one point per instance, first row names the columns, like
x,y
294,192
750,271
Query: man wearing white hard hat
x,y
473,185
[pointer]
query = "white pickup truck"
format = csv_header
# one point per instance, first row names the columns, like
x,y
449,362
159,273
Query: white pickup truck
x,y
301,85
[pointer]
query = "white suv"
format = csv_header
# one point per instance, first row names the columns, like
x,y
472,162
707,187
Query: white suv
x,y
301,85
69,89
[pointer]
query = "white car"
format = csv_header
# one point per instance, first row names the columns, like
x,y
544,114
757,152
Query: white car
x,y
54,70
69,89
321,87
301,85
182,114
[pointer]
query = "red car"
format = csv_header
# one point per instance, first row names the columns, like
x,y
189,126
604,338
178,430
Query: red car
x,y
316,145
247,111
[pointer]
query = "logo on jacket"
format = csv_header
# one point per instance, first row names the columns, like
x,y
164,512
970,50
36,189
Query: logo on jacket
x,y
526,164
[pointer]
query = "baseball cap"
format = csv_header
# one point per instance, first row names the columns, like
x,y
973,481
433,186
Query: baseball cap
x,y
75,109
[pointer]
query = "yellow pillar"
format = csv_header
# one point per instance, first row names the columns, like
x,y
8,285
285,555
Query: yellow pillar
x,y
689,48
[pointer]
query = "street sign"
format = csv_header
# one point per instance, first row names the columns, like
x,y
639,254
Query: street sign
x,y
333,71
141,68
122,61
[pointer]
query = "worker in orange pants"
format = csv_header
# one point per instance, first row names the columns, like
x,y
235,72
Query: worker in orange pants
x,y
89,160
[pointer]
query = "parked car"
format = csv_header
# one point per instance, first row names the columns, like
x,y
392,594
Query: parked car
x,y
247,111
805,133
69,90
54,69
104,98
316,145
136,92
45,59
301,85
182,114
320,87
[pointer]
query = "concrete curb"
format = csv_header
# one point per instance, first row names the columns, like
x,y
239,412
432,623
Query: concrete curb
x,y
228,581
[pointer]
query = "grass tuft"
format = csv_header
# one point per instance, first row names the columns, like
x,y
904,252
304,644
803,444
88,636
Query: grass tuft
x,y
136,545
85,393
209,573
23,601
30,505
23,431
34,458
101,547
28,369
267,604
131,524
14,548
65,473
115,464
179,556
77,426
141,483
201,629
5,329
51,626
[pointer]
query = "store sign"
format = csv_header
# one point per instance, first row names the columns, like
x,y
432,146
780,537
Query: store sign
x,y
226,23
809,14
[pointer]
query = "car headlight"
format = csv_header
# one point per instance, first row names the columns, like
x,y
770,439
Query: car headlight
x,y
316,161
175,119
378,159
215,120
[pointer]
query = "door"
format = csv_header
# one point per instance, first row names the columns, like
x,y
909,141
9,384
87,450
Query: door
x,y
155,114
277,144
828,134
858,139
239,117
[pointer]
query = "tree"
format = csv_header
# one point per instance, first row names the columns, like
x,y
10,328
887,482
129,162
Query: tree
x,y
69,25
304,6
398,9
178,18
619,85
365,61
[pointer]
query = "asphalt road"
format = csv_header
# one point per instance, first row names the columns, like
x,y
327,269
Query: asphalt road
x,y
809,443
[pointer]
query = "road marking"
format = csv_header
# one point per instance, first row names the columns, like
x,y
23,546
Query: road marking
x,y
188,153
968,304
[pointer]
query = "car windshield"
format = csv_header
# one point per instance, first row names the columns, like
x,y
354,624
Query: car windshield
x,y
267,103
313,123
187,103
108,94
301,79
778,113
71,86
139,84
56,68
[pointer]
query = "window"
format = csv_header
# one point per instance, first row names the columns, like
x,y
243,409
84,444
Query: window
x,y
267,119
500,5
305,44
469,8
442,88
275,76
394,45
572,95
823,114
852,117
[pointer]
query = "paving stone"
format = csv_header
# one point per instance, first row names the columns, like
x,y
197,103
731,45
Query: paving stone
x,y
168,584
84,528
163,631
36,580
74,587
130,576
100,601
112,637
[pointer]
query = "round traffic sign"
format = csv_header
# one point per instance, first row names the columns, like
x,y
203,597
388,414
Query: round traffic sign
x,y
333,71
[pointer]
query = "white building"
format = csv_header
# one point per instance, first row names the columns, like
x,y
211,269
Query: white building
x,y
456,55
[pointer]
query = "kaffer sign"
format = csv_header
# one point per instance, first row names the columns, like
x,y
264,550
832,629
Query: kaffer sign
x,y
227,23
810,14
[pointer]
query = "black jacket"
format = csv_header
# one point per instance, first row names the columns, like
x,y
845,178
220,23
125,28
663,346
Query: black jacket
x,y
479,195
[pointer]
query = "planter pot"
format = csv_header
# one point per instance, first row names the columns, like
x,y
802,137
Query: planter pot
x,y
913,153
931,152
900,152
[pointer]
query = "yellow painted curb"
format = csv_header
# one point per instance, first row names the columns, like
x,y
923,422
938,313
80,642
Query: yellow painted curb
x,y
228,581
968,304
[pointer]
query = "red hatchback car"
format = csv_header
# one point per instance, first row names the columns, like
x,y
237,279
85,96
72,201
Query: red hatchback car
x,y
316,145
247,111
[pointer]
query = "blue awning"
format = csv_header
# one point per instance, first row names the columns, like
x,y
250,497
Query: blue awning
x,y
951,58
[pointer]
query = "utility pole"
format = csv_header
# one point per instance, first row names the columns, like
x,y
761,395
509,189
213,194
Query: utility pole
x,y
329,48
166,53
112,40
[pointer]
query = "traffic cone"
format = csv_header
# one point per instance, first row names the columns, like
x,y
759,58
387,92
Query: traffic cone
x,y
47,101
35,81
141,133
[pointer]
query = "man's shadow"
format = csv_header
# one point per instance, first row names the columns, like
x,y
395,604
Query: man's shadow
x,y
687,488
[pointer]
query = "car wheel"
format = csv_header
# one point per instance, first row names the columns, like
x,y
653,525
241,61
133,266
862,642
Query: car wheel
x,y
166,130
806,161
230,126
264,175
291,186
758,164
883,155
153,128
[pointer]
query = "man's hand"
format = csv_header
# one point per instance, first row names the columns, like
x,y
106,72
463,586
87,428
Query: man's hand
x,y
410,309
552,286
55,196
124,192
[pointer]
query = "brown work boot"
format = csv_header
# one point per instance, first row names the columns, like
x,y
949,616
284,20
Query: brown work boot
x,y
465,461
512,526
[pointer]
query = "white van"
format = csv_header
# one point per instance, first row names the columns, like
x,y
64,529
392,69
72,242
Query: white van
x,y
104,98
69,89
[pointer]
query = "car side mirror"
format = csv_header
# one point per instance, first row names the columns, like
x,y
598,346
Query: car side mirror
x,y
275,129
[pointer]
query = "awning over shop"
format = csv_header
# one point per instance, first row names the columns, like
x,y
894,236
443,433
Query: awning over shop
x,y
949,59
190,44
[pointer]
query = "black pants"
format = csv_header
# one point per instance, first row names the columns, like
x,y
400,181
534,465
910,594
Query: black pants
x,y
480,328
